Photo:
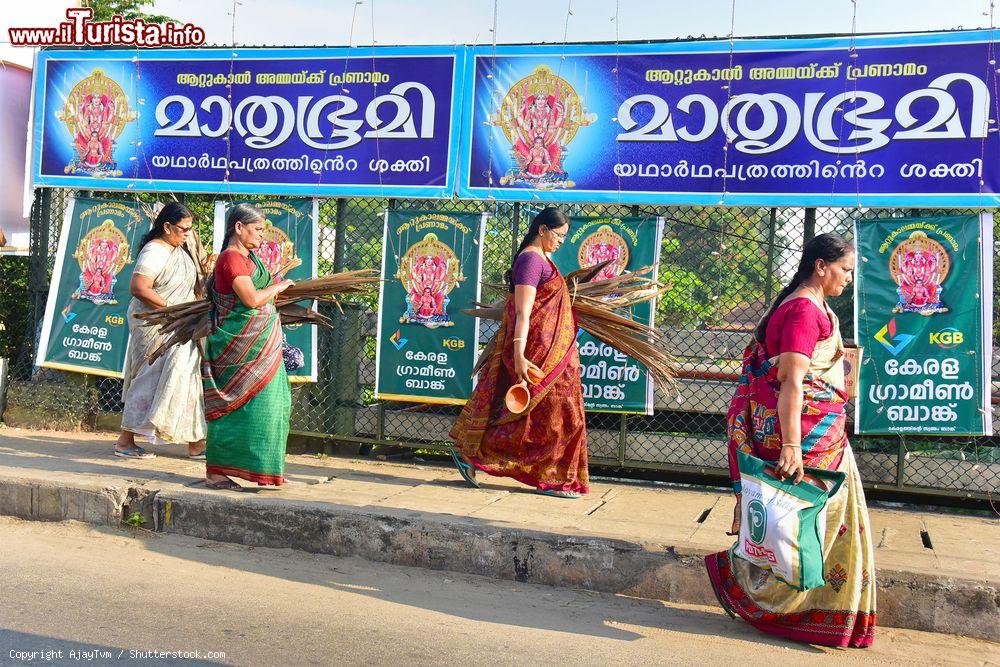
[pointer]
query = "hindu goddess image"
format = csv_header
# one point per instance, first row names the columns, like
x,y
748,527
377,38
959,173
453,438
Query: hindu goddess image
x,y
102,254
919,266
540,115
429,270
95,113
604,245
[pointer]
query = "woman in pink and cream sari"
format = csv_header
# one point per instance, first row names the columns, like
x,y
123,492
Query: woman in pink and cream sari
x,y
789,410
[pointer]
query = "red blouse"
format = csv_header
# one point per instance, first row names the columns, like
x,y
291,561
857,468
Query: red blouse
x,y
796,326
228,267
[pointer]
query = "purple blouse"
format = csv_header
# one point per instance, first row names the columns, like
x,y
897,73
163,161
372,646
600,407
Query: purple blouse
x,y
531,268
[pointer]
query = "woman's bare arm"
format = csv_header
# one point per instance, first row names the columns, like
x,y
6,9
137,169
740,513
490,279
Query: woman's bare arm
x,y
253,297
524,301
792,368
141,287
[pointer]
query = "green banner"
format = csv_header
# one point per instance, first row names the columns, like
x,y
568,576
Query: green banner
x,y
923,306
291,233
84,329
431,264
613,382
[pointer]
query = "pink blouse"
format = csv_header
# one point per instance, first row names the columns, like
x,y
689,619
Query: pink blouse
x,y
796,326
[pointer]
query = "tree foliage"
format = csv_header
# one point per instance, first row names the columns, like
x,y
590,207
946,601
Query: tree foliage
x,y
104,10
14,304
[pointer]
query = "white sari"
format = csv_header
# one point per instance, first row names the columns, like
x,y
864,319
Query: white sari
x,y
164,400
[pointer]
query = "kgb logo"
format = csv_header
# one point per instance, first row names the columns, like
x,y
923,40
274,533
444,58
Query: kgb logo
x,y
453,343
947,338
757,514
891,340
397,340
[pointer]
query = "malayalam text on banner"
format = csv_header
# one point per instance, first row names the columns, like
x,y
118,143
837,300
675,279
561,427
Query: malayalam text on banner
x,y
431,268
85,328
876,120
312,122
924,310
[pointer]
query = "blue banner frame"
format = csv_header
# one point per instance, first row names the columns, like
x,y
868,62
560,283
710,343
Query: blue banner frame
x,y
563,171
105,133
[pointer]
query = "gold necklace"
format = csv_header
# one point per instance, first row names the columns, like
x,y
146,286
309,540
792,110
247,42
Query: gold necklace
x,y
818,294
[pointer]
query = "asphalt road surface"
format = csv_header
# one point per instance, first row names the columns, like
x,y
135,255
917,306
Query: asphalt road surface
x,y
71,594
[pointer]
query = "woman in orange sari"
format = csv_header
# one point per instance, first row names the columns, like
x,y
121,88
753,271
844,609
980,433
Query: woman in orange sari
x,y
789,410
544,446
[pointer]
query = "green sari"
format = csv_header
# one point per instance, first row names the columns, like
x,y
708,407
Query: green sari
x,y
248,402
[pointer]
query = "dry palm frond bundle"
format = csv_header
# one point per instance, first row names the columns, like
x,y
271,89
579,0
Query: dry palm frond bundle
x,y
599,306
192,320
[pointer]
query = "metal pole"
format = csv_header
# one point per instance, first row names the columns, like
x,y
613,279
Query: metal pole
x,y
346,352
515,231
380,422
901,464
380,406
38,263
340,235
771,225
809,225
622,439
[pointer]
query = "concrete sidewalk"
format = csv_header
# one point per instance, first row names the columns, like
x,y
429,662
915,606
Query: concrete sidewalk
x,y
936,572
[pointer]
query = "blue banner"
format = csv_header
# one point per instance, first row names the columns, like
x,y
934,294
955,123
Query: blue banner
x,y
355,122
874,121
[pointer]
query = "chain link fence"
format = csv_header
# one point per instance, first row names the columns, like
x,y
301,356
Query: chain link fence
x,y
725,265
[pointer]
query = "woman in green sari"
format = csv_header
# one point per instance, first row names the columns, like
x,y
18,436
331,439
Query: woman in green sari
x,y
247,396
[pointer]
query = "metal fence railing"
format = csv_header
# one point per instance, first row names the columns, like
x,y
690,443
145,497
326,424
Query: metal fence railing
x,y
725,265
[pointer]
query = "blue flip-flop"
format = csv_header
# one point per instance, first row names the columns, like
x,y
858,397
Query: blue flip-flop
x,y
555,493
135,453
197,457
468,472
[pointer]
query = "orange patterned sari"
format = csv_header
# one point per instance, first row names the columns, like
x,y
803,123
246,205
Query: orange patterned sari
x,y
546,445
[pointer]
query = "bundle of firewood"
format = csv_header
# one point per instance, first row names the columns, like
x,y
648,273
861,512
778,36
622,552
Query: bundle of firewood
x,y
600,308
192,320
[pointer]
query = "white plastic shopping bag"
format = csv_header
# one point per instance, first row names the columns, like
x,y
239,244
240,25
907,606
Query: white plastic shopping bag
x,y
782,524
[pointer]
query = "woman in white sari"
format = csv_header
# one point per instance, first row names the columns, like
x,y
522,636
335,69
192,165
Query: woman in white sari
x,y
164,400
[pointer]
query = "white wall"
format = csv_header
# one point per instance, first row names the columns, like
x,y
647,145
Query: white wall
x,y
15,93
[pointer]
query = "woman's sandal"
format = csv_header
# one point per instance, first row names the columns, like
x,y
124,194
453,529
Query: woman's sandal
x,y
555,493
468,472
223,485
135,453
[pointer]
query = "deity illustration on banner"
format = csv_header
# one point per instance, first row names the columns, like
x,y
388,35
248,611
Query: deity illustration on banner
x,y
95,113
604,245
539,116
919,266
429,271
275,250
102,254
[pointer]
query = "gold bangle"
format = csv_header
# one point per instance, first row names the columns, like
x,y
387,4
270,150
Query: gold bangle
x,y
791,444
517,339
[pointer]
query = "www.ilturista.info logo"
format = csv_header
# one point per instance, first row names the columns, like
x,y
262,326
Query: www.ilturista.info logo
x,y
891,340
80,30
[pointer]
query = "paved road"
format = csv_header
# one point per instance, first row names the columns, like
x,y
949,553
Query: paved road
x,y
116,597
